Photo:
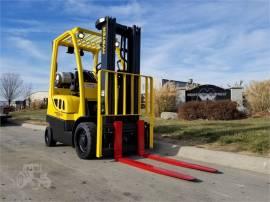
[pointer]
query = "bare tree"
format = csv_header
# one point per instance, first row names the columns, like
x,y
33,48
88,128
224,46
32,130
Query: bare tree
x,y
10,86
27,91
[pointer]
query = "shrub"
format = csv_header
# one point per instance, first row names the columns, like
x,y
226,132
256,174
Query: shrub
x,y
9,109
37,104
258,96
165,99
211,110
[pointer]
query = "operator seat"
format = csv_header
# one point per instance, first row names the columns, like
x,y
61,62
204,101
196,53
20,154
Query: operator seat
x,y
88,77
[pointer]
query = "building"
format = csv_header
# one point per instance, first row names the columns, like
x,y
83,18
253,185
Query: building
x,y
177,84
19,104
39,96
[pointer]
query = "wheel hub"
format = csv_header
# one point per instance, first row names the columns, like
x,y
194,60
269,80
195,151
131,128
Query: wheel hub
x,y
83,142
46,138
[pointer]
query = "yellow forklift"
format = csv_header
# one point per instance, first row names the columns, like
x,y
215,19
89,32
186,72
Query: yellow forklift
x,y
109,109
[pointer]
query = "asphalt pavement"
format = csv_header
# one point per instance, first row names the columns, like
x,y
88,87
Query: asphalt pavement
x,y
30,171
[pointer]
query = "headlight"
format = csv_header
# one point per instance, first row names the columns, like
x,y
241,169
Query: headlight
x,y
80,35
100,20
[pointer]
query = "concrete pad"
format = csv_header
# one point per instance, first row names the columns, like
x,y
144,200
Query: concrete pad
x,y
34,126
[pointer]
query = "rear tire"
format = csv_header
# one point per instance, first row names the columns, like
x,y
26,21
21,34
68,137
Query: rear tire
x,y
49,141
85,140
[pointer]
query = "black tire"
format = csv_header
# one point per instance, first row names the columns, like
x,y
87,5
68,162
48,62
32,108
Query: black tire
x,y
49,141
85,140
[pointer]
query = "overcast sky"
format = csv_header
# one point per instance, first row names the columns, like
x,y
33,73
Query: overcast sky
x,y
216,42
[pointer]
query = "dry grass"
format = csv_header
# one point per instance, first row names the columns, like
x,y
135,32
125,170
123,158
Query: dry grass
x,y
258,96
165,99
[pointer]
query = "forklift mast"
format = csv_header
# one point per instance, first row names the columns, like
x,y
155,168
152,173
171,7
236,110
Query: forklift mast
x,y
130,39
130,44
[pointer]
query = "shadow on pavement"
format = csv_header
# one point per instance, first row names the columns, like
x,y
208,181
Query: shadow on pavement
x,y
9,123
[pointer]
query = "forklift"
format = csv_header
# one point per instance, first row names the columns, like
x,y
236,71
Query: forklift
x,y
109,109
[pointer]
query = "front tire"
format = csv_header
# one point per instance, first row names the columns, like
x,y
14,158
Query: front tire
x,y
85,140
49,141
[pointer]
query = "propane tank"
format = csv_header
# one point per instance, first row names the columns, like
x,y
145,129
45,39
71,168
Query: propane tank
x,y
63,78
